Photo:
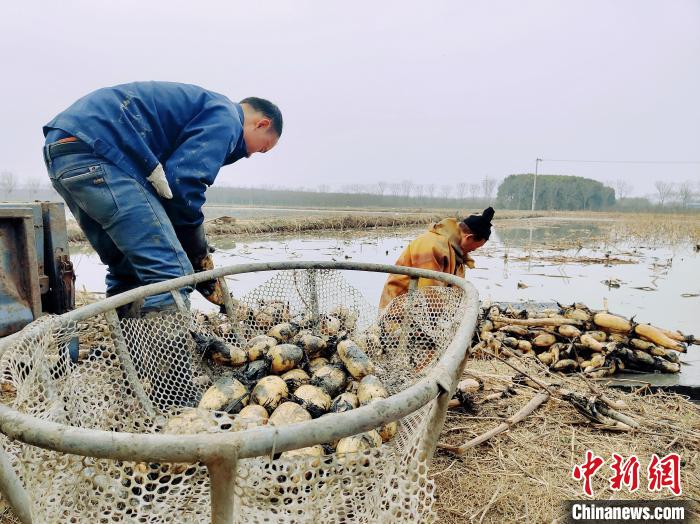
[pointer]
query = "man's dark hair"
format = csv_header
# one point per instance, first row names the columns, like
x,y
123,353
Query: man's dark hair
x,y
464,227
268,109
480,225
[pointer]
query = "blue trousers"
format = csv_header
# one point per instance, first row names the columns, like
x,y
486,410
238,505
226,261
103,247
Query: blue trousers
x,y
123,221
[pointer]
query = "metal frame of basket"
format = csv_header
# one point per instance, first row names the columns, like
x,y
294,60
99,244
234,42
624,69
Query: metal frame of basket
x,y
220,452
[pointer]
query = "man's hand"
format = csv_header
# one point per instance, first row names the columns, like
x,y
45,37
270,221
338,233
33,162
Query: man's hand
x,y
210,289
194,242
160,182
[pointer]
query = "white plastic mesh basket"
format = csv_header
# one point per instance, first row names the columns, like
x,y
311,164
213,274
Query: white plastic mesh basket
x,y
389,483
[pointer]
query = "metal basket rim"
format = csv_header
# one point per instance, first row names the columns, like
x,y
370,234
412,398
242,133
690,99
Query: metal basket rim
x,y
253,442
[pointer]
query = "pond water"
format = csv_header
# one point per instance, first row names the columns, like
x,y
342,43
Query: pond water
x,y
549,263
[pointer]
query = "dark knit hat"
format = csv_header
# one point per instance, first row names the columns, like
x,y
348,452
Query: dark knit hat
x,y
480,225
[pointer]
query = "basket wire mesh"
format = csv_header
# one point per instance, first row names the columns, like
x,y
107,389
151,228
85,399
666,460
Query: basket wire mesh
x,y
388,483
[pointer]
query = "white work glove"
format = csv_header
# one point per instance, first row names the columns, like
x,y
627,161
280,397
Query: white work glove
x,y
160,183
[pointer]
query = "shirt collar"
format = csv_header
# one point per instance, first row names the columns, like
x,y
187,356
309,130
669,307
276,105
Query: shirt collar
x,y
240,150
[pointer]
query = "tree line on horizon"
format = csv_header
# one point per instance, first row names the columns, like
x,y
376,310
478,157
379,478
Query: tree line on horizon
x,y
554,192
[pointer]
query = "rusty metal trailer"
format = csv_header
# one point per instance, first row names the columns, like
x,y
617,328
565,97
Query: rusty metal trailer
x,y
36,274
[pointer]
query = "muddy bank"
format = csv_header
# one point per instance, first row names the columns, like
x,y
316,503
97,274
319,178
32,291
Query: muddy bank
x,y
333,221
644,227
227,225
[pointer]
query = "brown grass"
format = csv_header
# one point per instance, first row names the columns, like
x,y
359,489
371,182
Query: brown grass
x,y
7,516
657,228
228,226
642,227
525,473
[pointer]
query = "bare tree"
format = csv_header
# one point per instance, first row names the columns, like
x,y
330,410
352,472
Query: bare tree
x,y
324,188
395,189
488,184
474,191
418,190
664,189
32,186
8,183
430,190
381,187
445,190
406,187
623,188
351,188
461,190
685,193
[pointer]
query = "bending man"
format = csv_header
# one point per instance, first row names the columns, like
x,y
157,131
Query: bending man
x,y
133,163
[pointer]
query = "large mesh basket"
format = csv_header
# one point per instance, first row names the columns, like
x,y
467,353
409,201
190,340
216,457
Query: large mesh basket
x,y
94,440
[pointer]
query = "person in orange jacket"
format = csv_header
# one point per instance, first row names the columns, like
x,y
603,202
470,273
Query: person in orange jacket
x,y
445,247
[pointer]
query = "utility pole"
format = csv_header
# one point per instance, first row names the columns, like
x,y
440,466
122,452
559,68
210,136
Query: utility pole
x,y
534,183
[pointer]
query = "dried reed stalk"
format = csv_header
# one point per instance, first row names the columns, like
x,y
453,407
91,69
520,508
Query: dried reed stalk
x,y
526,410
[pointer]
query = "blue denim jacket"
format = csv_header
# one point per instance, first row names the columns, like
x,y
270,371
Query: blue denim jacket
x,y
139,127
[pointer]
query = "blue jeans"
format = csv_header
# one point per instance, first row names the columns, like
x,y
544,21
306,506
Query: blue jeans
x,y
124,222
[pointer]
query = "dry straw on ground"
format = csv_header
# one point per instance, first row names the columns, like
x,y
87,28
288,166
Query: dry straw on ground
x,y
524,474
657,229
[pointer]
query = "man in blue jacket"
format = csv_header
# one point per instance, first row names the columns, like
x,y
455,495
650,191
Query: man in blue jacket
x,y
133,163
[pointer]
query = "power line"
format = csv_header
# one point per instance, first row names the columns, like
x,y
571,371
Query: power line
x,y
623,161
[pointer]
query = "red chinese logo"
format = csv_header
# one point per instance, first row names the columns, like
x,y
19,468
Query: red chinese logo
x,y
665,473
626,473
586,470
661,473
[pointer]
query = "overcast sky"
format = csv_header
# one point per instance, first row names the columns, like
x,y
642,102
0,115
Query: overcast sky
x,y
437,92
